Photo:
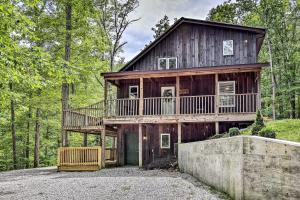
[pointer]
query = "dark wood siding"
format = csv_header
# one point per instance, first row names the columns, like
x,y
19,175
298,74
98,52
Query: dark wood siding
x,y
198,46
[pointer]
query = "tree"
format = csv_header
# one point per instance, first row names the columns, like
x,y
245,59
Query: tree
x,y
115,20
161,27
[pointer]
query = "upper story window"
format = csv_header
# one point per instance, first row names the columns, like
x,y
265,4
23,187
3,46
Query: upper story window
x,y
227,93
167,63
227,47
133,91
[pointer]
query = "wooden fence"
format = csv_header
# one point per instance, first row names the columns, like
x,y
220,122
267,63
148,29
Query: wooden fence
x,y
79,158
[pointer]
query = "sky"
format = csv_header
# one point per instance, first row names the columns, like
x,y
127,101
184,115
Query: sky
x,y
151,11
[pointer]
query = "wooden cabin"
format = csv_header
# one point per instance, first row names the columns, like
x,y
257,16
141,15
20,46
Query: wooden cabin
x,y
197,79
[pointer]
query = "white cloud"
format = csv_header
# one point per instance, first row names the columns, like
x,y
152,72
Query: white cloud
x,y
151,11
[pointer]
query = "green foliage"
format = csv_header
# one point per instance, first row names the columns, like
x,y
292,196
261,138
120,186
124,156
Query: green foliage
x,y
234,131
258,124
267,132
288,129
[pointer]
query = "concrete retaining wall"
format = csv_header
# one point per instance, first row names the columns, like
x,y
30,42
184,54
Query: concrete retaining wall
x,y
245,167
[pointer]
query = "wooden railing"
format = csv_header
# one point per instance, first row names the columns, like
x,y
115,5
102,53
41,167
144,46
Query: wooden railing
x,y
122,107
188,105
239,103
111,154
197,104
79,158
160,106
85,116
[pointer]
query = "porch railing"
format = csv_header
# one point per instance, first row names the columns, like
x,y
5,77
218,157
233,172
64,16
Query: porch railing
x,y
239,103
160,106
85,116
79,158
197,104
122,107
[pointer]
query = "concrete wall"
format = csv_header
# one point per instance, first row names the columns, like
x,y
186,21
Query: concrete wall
x,y
245,167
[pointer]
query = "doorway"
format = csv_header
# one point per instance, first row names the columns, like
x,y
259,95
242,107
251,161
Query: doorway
x,y
131,149
168,100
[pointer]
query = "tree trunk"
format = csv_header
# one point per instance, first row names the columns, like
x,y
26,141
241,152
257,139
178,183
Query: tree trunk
x,y
37,139
13,128
273,81
28,139
85,141
65,85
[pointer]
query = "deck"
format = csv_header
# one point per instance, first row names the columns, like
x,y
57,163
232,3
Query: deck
x,y
202,108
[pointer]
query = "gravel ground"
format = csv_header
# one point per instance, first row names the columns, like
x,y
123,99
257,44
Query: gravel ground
x,y
113,183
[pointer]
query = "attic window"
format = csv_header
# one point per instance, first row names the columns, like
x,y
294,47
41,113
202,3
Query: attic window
x,y
226,93
227,47
167,63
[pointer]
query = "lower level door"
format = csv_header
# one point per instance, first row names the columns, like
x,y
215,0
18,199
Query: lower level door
x,y
131,149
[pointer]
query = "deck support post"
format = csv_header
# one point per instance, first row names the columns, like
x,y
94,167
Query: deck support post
x,y
179,132
141,101
217,128
258,98
103,147
177,95
216,94
140,146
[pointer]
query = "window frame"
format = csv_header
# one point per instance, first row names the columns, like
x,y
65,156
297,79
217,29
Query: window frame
x,y
167,62
224,41
137,89
169,138
227,94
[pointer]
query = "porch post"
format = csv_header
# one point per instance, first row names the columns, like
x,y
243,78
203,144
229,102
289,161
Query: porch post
x,y
258,104
103,147
177,95
105,97
217,127
141,101
216,94
140,146
179,132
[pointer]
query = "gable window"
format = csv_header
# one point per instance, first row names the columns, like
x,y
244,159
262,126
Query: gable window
x,y
226,93
133,91
167,63
227,47
165,141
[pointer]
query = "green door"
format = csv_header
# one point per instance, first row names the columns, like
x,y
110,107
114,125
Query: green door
x,y
131,149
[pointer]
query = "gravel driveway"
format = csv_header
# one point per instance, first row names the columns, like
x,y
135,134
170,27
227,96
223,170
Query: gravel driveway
x,y
114,183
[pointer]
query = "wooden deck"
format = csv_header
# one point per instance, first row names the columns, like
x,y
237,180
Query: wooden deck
x,y
84,158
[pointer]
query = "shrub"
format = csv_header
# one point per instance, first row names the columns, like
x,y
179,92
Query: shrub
x,y
258,124
234,131
267,132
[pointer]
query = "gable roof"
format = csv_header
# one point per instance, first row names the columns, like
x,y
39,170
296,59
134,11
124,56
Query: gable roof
x,y
259,31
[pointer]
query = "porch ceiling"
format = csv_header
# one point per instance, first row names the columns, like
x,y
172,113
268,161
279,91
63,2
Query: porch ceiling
x,y
184,71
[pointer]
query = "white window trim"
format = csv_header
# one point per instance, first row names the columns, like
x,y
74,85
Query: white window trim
x,y
232,48
137,89
225,94
165,134
167,62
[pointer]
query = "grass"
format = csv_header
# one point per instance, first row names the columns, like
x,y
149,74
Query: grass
x,y
287,129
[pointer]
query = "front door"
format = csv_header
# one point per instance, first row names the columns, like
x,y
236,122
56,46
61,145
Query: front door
x,y
168,100
131,149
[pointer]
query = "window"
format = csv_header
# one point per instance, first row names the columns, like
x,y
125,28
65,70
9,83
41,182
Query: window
x,y
167,63
226,93
133,92
227,47
165,141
